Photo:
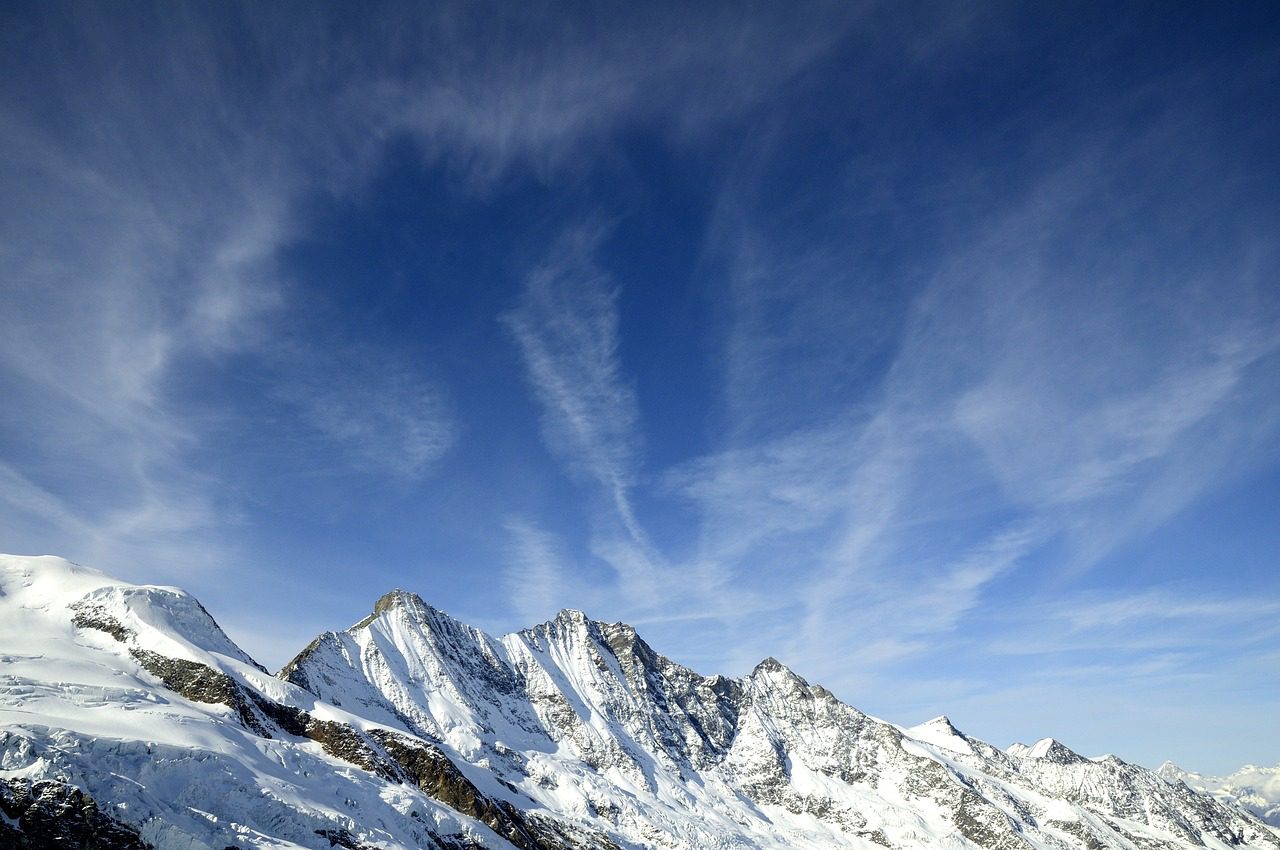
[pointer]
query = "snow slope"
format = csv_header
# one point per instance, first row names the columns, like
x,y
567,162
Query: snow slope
x,y
411,729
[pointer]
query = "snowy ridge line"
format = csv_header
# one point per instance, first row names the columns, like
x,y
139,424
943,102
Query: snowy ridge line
x,y
50,774
411,729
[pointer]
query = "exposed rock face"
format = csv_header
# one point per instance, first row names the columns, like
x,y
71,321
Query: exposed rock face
x,y
130,720
51,815
432,771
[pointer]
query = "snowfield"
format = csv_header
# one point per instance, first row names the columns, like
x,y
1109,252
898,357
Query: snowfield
x,y
411,729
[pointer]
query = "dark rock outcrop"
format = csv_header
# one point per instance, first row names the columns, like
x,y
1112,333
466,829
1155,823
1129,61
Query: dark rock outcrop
x,y
53,815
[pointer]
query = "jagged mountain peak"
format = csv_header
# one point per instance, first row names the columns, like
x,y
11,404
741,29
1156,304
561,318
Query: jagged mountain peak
x,y
618,638
572,615
575,632
574,735
398,599
567,621
621,634
626,643
941,732
940,725
773,671
769,665
1048,749
406,603
413,613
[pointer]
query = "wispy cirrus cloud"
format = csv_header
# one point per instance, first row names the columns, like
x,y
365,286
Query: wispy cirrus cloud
x,y
1126,622
155,175
538,578
484,103
1143,663
959,365
987,440
566,325
97,313
1053,391
386,415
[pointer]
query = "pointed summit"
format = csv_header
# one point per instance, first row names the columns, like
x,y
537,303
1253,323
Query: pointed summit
x,y
566,619
569,625
398,599
772,673
941,732
405,601
1048,749
770,665
571,616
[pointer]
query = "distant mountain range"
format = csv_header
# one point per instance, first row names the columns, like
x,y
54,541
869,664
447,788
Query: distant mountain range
x,y
128,719
1254,789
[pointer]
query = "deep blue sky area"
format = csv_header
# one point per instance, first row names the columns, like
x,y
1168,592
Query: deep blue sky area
x,y
932,349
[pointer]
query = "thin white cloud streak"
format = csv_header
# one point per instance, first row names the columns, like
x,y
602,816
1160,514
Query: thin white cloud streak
x,y
484,103
98,312
1125,624
1078,421
533,578
566,327
1159,669
89,337
33,502
751,494
379,409
155,174
1091,410
1164,606
94,255
536,577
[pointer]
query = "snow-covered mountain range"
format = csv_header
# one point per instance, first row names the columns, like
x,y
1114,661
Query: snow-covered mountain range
x,y
1254,789
128,719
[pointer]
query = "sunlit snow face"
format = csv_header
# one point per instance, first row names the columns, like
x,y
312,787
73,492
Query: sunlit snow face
x,y
431,732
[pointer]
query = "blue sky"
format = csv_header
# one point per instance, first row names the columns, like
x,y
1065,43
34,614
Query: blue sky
x,y
933,350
